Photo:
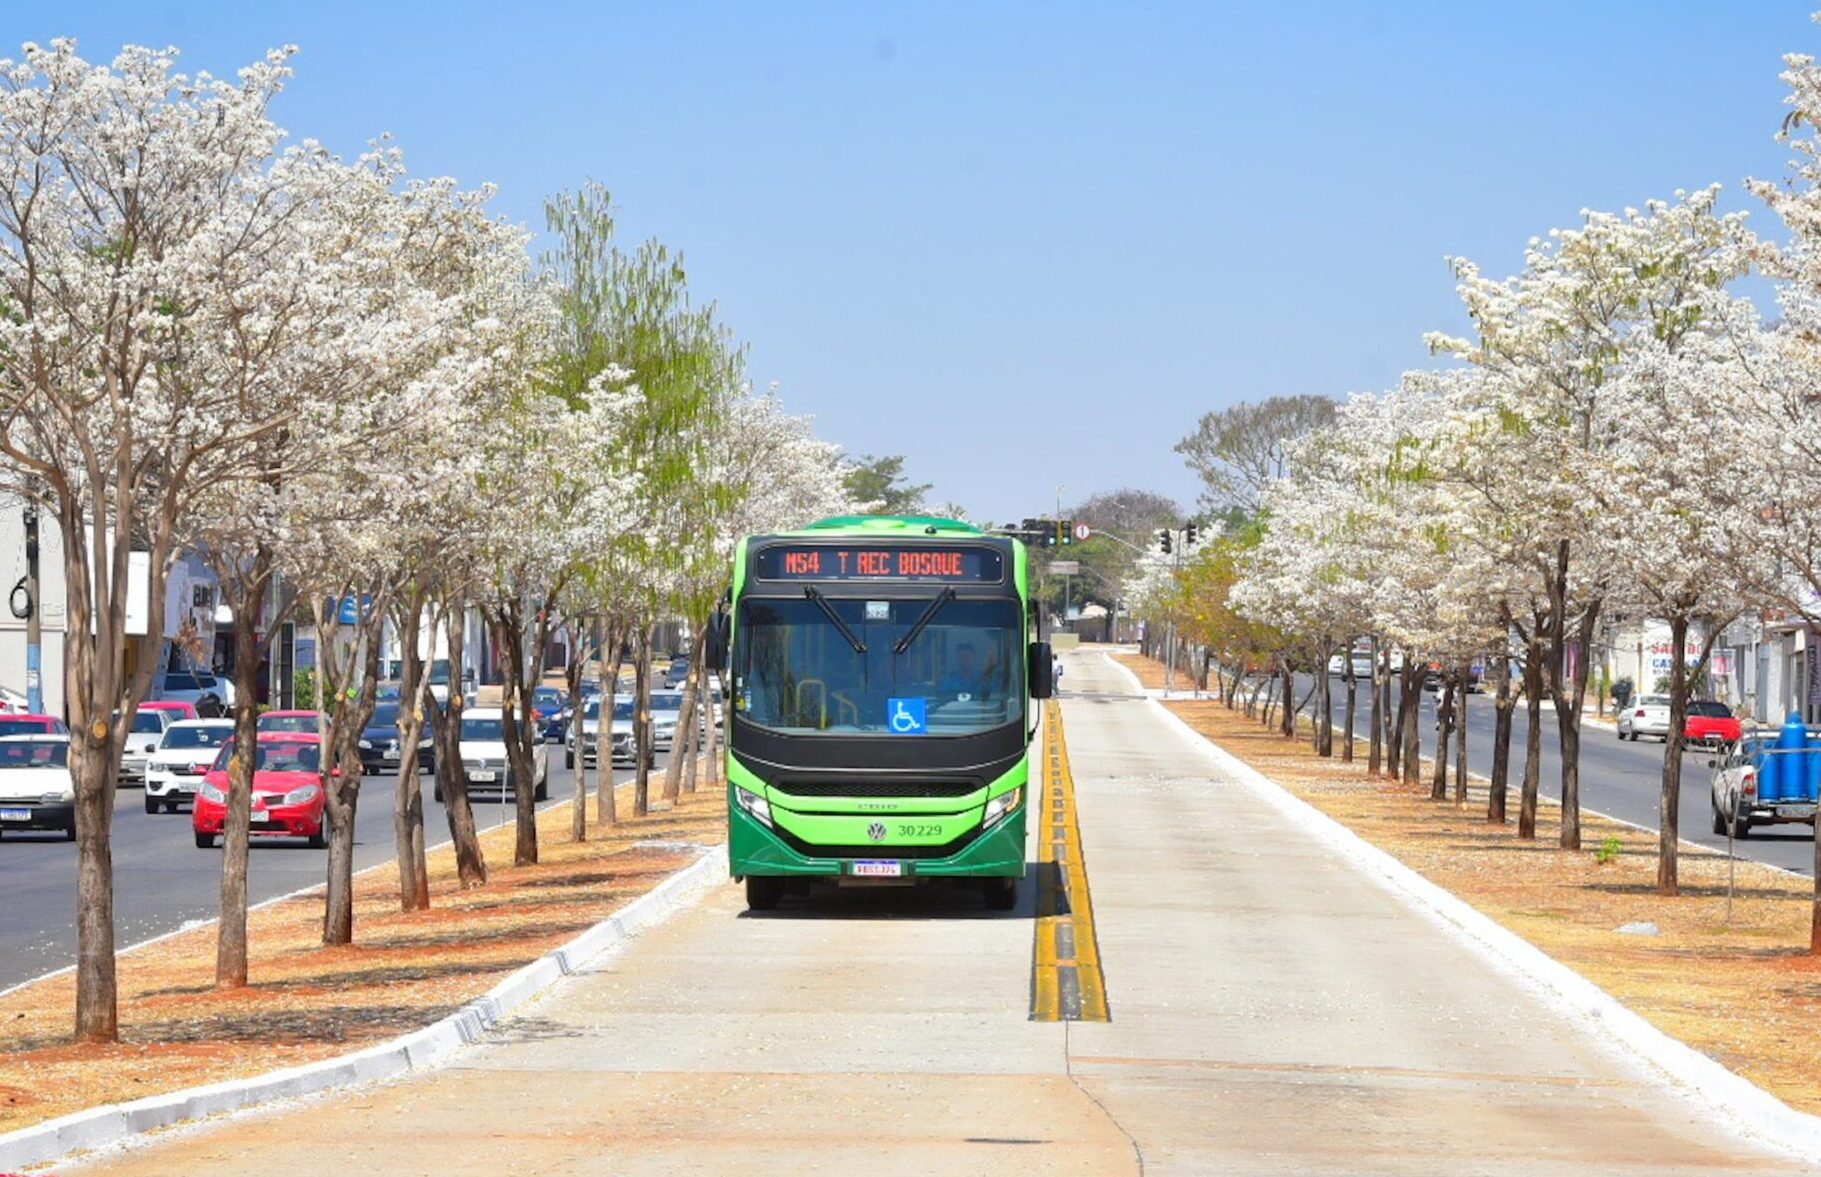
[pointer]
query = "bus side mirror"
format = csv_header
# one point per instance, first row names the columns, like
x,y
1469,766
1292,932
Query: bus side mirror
x,y
719,623
1040,671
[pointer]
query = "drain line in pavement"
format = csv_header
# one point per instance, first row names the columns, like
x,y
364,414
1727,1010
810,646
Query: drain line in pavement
x,y
1066,981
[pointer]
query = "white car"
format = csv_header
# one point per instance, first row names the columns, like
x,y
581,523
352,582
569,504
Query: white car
x,y
483,749
666,713
36,792
1648,715
210,694
141,742
620,736
184,755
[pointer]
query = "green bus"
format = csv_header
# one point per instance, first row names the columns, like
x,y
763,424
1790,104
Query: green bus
x,y
880,722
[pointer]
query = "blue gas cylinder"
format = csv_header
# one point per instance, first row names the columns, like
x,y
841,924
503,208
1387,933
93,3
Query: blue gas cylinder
x,y
1812,778
1785,775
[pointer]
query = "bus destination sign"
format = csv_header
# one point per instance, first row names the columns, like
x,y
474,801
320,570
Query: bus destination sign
x,y
920,562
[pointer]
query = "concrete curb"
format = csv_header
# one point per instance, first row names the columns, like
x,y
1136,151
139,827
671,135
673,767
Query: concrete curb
x,y
416,1051
1757,1113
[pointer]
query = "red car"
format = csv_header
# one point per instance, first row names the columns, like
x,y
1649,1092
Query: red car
x,y
287,792
179,708
32,725
1710,722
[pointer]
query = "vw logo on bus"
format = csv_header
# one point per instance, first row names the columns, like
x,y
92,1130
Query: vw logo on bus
x,y
876,831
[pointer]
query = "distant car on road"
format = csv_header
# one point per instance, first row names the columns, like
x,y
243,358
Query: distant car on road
x,y
32,724
141,742
379,749
185,754
210,694
293,721
666,714
552,707
175,708
1710,722
677,672
36,792
483,748
1648,716
1361,660
287,792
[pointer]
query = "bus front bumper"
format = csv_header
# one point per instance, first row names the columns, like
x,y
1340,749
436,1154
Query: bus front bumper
x,y
753,849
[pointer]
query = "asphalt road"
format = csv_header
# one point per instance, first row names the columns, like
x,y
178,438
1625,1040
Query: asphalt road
x,y
162,881
1621,779
1273,1011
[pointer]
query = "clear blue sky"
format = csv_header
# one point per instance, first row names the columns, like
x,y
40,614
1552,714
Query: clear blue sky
x,y
1030,244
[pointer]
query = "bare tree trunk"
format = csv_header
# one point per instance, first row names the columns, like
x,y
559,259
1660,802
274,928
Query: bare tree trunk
x,y
1569,701
1444,728
1346,739
1384,721
408,798
1460,739
1290,709
1497,794
1409,721
715,736
1670,808
1533,740
236,833
94,768
1324,704
606,805
341,780
510,639
693,751
451,773
578,809
686,719
641,723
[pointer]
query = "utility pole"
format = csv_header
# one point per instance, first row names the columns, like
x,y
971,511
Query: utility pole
x,y
34,627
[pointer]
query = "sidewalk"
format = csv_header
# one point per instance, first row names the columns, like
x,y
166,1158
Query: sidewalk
x,y
1275,1010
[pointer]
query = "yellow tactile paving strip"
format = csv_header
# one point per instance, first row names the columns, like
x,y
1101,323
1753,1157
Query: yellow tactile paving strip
x,y
1066,980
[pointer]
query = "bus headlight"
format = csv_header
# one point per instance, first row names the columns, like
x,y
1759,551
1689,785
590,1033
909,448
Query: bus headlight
x,y
754,804
999,806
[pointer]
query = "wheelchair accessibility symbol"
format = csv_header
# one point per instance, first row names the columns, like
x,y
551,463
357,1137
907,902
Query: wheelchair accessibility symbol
x,y
907,717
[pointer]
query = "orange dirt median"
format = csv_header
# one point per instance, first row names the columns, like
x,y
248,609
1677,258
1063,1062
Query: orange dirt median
x,y
1743,991
308,1002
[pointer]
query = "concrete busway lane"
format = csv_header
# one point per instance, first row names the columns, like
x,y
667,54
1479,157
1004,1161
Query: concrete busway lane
x,y
875,1030
162,881
1619,778
1276,1011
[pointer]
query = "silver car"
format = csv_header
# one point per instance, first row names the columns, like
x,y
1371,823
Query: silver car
x,y
1648,715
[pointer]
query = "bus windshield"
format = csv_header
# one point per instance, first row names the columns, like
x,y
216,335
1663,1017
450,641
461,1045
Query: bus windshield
x,y
798,672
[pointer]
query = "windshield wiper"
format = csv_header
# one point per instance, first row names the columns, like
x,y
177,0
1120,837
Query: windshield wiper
x,y
810,591
928,615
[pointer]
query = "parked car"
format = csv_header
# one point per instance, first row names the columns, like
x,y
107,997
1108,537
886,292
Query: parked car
x,y
287,792
36,792
32,724
185,754
175,708
293,721
1710,722
483,747
379,748
141,742
552,707
1649,716
210,694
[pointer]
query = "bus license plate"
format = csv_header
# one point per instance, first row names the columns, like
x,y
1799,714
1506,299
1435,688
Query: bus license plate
x,y
879,870
15,815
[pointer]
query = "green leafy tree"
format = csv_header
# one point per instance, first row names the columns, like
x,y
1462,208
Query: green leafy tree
x,y
880,486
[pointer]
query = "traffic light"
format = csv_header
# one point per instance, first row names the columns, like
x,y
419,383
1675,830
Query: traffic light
x,y
1065,531
1049,533
1163,539
1188,534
